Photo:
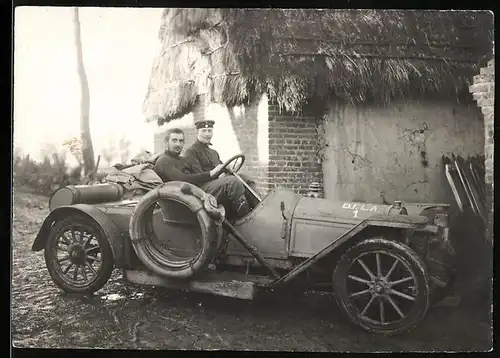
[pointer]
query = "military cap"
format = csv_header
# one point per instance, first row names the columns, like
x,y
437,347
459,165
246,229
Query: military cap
x,y
204,124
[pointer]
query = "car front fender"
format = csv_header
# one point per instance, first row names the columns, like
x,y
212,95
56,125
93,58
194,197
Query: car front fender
x,y
91,212
398,221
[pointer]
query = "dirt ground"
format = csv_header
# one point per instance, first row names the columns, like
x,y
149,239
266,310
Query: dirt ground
x,y
125,316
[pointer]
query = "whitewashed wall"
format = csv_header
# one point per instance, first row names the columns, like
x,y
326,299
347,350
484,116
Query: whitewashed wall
x,y
374,152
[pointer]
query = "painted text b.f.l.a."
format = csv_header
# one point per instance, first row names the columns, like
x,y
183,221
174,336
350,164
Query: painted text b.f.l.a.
x,y
358,206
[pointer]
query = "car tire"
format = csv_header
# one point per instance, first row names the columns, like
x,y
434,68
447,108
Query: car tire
x,y
377,301
79,254
141,232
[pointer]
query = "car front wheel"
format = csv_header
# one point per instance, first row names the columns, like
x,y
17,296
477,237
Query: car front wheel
x,y
382,286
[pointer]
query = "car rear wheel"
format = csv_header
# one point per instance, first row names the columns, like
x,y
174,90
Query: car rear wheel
x,y
78,255
382,286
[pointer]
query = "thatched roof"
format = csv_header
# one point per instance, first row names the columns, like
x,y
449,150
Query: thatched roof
x,y
303,55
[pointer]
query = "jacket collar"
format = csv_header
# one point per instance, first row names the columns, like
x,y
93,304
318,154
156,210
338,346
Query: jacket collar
x,y
203,144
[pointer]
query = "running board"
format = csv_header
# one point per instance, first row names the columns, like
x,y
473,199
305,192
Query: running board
x,y
228,284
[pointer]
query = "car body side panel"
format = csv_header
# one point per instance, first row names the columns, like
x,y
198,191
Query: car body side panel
x,y
265,227
310,236
319,222
119,216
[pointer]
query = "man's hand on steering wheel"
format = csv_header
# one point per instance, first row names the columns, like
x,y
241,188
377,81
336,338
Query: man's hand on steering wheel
x,y
216,172
234,159
223,168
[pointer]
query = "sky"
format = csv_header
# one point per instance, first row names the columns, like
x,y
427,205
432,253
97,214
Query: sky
x,y
119,45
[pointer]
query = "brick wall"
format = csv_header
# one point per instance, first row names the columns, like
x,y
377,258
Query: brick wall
x,y
294,147
483,91
293,143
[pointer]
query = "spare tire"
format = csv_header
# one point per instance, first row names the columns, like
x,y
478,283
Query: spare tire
x,y
142,233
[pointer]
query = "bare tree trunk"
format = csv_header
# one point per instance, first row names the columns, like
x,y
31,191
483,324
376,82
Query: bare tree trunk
x,y
87,148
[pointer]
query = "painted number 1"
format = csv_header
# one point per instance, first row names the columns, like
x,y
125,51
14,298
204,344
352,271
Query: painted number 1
x,y
355,213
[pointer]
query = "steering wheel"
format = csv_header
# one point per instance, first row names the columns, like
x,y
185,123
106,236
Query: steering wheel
x,y
235,170
236,167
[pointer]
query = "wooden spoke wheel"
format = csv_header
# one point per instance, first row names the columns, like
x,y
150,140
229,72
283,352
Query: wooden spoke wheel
x,y
78,255
382,286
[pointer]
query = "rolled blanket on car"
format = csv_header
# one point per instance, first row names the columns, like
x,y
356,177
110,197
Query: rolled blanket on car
x,y
119,177
138,177
144,173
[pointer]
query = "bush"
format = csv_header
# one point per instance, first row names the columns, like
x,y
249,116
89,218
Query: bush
x,y
44,177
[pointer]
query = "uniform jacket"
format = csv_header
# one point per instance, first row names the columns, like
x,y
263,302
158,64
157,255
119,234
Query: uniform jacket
x,y
201,158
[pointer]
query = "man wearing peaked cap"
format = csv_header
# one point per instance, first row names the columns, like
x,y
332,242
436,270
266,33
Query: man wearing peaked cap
x,y
204,124
200,158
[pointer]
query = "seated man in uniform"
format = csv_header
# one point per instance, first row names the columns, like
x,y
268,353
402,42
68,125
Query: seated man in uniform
x,y
228,191
202,158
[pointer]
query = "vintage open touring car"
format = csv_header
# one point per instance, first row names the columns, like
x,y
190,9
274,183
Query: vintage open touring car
x,y
385,264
